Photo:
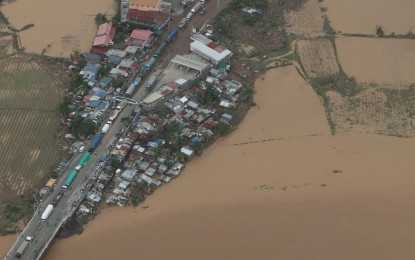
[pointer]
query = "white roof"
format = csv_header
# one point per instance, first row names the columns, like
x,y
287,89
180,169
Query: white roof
x,y
184,100
186,151
209,52
181,81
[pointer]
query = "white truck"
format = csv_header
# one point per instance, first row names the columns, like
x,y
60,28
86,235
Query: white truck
x,y
46,213
106,127
196,7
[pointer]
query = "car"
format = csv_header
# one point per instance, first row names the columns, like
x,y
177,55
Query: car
x,y
203,11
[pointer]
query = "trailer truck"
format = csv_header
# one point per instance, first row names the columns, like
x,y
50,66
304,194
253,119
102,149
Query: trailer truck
x,y
196,7
70,179
151,82
22,248
172,34
97,140
47,212
106,127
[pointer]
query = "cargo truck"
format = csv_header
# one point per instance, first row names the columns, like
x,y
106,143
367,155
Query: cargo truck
x,y
196,7
70,179
150,63
106,127
94,144
58,197
22,248
172,34
151,82
83,160
46,213
183,23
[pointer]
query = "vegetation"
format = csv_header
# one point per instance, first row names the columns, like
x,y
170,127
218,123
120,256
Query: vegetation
x,y
83,126
11,214
100,18
64,106
209,96
222,128
379,31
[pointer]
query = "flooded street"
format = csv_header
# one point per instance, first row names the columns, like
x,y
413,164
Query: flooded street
x,y
60,27
301,194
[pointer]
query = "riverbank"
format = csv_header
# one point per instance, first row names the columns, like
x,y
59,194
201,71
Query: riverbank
x,y
304,194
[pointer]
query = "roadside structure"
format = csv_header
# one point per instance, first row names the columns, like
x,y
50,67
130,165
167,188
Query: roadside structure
x,y
105,35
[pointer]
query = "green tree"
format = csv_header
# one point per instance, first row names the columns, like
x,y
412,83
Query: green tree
x,y
64,106
222,128
379,31
76,80
209,96
87,127
100,18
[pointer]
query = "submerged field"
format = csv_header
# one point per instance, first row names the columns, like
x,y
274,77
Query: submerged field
x,y
29,99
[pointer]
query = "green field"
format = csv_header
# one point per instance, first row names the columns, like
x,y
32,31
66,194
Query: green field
x,y
29,119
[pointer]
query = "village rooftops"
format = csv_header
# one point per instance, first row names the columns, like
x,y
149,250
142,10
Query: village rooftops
x,y
143,35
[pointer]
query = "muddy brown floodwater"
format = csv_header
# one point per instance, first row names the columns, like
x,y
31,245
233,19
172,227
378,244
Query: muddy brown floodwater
x,y
279,187
60,26
362,16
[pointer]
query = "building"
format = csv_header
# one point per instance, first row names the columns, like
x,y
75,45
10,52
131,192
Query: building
x,y
105,35
212,52
147,14
139,37
89,72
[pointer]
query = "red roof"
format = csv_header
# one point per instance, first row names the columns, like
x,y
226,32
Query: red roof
x,y
102,40
104,28
99,49
173,85
141,34
212,45
147,16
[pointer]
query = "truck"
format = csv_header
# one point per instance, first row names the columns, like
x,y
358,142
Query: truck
x,y
172,34
151,82
189,16
183,23
106,127
58,197
196,7
97,140
160,49
150,63
22,248
46,213
70,179
83,160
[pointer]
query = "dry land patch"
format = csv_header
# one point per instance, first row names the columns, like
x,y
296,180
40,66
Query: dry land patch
x,y
29,99
308,19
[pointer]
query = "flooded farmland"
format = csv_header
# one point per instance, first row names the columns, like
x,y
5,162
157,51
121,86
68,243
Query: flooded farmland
x,y
60,27
362,16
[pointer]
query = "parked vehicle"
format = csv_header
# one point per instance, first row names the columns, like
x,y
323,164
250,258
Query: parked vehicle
x,y
172,34
203,11
151,81
58,197
47,212
70,179
160,50
22,248
196,7
150,63
106,127
183,23
94,144
189,16
83,160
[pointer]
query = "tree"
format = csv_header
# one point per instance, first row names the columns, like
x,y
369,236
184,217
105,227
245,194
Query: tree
x,y
210,96
100,18
76,80
379,31
222,128
88,127
64,106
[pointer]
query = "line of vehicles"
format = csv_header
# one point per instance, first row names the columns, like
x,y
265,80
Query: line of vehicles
x,y
193,11
69,180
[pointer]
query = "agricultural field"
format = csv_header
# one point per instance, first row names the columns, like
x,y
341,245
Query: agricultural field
x,y
29,120
381,61
318,57
375,110
306,20
362,16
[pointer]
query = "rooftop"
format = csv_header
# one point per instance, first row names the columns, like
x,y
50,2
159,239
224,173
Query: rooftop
x,y
141,34
146,5
189,63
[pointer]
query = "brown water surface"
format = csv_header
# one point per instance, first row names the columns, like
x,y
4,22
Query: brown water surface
x,y
303,194
60,26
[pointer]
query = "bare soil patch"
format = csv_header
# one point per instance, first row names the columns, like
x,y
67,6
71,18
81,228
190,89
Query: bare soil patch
x,y
318,57
306,20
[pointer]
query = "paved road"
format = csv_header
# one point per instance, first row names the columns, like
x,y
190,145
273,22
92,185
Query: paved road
x,y
43,232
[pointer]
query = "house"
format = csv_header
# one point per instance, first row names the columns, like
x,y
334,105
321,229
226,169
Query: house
x,y
105,35
131,49
114,59
226,118
146,14
92,58
139,37
116,72
227,104
129,175
106,82
89,71
187,151
128,64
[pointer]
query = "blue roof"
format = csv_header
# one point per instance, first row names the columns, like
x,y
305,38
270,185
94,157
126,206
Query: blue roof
x,y
93,79
114,59
91,68
99,92
92,57
93,103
